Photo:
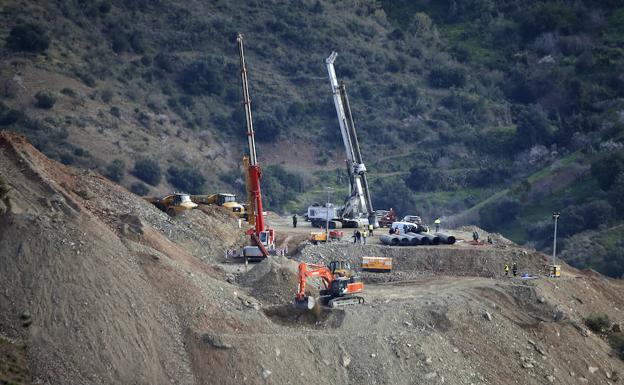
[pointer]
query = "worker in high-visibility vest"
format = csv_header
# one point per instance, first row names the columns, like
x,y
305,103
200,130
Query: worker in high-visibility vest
x,y
437,224
370,229
506,270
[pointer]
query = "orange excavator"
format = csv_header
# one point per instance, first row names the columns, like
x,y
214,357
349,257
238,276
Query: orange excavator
x,y
339,283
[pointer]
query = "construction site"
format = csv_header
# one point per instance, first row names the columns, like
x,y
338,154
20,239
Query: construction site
x,y
100,285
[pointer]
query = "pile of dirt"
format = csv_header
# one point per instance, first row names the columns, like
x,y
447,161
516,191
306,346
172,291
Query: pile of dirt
x,y
272,281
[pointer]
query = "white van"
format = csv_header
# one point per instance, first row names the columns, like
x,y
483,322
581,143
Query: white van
x,y
404,227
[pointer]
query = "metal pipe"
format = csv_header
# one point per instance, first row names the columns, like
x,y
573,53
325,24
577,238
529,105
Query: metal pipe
x,y
432,238
446,238
391,240
421,238
403,240
414,241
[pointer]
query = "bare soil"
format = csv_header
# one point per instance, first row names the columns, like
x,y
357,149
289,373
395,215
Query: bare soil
x,y
98,286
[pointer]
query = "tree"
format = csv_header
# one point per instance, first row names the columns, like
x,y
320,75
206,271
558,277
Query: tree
x,y
533,127
188,180
605,168
201,78
29,38
447,76
616,194
422,179
497,213
139,188
147,170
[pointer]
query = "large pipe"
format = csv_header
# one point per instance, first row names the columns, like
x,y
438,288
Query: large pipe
x,y
421,238
414,241
403,240
432,238
391,240
446,238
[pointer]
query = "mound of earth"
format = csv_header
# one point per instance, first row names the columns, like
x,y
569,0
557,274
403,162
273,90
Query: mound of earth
x,y
98,286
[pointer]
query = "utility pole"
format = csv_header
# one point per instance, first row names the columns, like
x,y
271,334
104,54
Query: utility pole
x,y
329,189
555,215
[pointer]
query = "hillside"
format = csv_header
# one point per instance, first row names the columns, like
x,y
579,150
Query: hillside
x,y
457,103
101,287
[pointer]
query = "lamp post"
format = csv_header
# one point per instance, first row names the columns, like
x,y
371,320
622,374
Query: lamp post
x,y
556,218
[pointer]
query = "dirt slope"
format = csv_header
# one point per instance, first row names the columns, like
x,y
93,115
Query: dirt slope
x,y
100,287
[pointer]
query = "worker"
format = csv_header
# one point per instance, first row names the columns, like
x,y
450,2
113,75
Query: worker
x,y
475,236
294,219
506,270
370,229
364,236
489,239
391,231
358,236
354,236
437,224
514,269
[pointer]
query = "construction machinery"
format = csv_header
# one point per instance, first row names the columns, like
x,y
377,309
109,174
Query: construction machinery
x,y
357,210
172,204
340,286
221,199
262,238
385,218
322,236
377,264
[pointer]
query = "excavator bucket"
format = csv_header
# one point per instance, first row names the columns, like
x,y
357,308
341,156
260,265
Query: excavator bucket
x,y
306,303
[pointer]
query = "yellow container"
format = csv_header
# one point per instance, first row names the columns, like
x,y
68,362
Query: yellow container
x,y
376,264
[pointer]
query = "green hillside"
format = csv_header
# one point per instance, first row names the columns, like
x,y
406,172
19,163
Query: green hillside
x,y
475,110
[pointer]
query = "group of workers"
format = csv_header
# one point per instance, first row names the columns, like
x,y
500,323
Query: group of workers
x,y
359,237
514,269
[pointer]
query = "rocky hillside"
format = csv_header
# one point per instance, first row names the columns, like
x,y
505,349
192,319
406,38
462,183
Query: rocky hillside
x,y
507,108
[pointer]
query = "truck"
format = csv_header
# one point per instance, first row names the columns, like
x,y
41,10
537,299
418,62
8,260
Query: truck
x,y
357,209
226,200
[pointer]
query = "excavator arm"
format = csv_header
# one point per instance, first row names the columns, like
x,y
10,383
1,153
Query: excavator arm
x,y
339,290
307,270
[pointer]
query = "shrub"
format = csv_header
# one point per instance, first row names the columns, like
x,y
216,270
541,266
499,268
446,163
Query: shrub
x,y
201,78
447,76
148,171
115,170
605,168
139,188
45,100
497,213
68,92
115,111
8,115
28,38
186,179
598,323
616,341
106,95
533,127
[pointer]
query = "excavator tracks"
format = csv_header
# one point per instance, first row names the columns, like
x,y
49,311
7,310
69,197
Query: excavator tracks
x,y
345,301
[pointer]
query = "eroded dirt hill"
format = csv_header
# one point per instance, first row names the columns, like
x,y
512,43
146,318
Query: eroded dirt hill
x,y
100,287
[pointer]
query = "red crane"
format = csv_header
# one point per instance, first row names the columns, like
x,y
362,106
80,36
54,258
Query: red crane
x,y
263,240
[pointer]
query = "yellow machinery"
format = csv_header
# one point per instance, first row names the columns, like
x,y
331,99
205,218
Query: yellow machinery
x,y
554,271
221,199
379,264
321,236
172,204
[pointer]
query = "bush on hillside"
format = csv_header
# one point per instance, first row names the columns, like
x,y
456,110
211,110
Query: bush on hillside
x,y
148,171
422,179
598,323
115,170
498,213
616,194
605,168
446,76
201,78
534,127
28,38
280,186
188,180
140,189
8,115
616,340
45,100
